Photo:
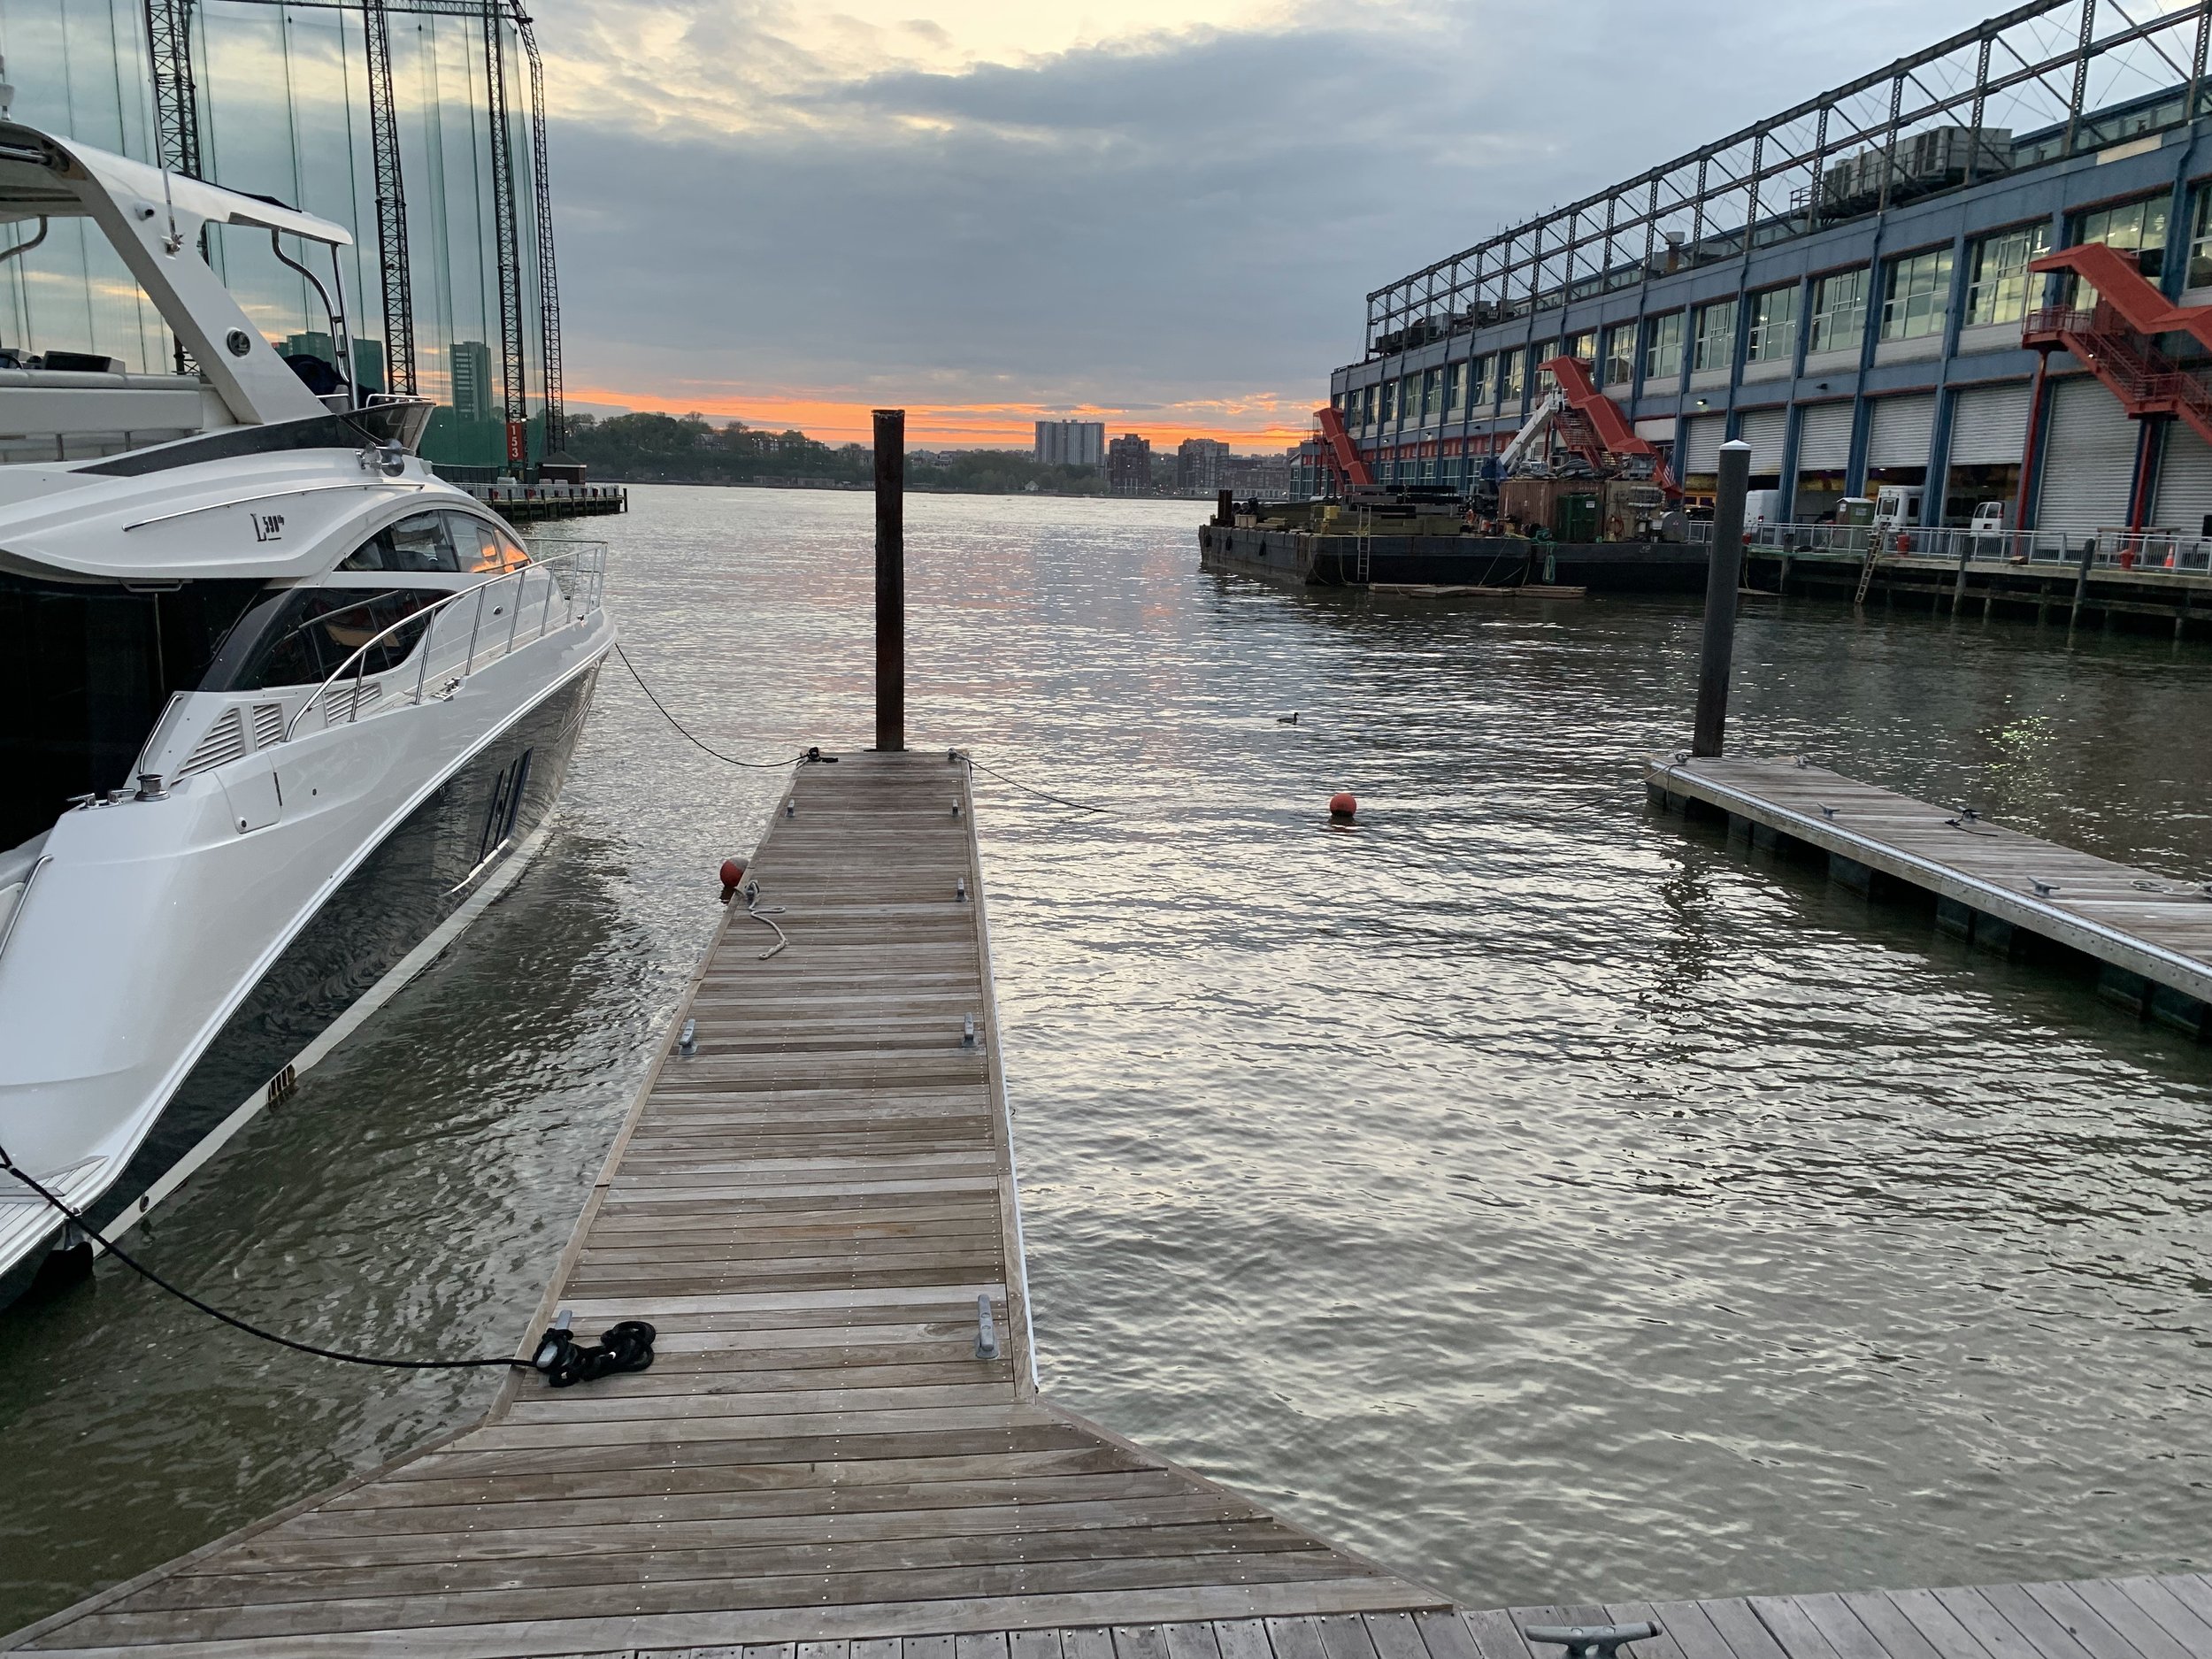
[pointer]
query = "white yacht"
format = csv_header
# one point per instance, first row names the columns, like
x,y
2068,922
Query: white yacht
x,y
281,710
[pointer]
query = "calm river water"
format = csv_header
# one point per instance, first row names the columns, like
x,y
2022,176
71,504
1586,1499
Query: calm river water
x,y
1523,1189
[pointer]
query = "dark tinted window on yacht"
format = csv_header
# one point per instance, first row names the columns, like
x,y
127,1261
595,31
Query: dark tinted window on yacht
x,y
484,546
423,543
303,636
85,670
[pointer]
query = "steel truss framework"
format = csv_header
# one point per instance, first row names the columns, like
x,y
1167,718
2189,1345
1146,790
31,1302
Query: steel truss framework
x,y
177,129
176,94
2063,76
506,237
391,205
549,287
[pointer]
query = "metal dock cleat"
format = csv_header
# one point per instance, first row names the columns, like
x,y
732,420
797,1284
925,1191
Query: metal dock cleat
x,y
1590,1641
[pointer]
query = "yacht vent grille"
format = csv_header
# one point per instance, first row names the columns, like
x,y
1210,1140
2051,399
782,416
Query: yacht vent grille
x,y
268,724
340,707
226,740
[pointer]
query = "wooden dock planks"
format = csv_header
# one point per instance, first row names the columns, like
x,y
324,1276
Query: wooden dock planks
x,y
2155,928
808,1208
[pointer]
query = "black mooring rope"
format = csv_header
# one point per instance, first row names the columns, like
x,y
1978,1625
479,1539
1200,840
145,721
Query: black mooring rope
x,y
1042,794
627,1346
686,731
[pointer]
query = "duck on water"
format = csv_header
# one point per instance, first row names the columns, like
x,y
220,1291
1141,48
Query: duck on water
x,y
279,710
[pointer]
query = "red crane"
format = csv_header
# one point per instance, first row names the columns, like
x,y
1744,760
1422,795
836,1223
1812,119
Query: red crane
x,y
1351,465
1605,429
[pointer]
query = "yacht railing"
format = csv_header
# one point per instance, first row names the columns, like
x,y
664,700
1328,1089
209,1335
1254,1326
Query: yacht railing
x,y
585,564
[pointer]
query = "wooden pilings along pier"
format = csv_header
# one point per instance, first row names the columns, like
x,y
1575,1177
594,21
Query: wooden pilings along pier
x,y
2175,604
2148,937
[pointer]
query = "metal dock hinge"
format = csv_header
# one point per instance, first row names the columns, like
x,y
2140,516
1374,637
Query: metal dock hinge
x,y
986,1329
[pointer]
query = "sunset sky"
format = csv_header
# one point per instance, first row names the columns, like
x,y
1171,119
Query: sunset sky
x,y
1165,217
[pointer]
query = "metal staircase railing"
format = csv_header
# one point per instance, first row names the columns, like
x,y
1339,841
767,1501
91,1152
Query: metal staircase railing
x,y
2142,377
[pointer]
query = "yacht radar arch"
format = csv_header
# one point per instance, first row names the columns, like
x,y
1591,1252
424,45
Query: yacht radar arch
x,y
153,218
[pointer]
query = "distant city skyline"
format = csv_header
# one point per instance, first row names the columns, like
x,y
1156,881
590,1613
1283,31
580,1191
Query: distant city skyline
x,y
937,427
1002,427
1007,213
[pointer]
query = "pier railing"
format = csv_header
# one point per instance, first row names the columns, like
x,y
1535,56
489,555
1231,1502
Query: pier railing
x,y
2152,549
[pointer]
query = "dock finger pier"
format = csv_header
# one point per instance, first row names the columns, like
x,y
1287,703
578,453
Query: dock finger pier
x,y
814,1208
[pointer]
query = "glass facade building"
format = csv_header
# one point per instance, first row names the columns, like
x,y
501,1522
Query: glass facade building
x,y
282,96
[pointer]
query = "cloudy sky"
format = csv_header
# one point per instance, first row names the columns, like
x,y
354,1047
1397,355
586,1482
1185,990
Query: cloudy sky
x,y
1164,215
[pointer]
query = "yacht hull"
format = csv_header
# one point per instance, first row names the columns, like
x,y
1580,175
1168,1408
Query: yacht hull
x,y
433,870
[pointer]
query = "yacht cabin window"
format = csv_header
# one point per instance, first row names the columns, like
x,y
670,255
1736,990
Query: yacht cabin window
x,y
429,543
301,636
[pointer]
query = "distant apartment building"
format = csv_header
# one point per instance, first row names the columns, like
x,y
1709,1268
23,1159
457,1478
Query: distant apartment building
x,y
1070,442
1129,465
473,380
1259,476
1200,463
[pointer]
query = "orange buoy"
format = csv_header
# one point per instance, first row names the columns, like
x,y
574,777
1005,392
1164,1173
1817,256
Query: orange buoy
x,y
1342,805
732,878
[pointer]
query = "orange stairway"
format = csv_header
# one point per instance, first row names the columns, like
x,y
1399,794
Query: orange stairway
x,y
2112,339
2132,297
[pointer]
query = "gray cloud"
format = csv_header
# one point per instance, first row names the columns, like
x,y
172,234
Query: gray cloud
x,y
1162,222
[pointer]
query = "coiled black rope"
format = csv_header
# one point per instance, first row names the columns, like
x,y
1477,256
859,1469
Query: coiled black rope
x,y
730,760
626,1347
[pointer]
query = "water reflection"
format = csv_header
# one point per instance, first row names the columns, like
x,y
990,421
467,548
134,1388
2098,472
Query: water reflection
x,y
1547,1197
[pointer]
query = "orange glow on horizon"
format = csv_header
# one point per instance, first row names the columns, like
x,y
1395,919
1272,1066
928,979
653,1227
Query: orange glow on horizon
x,y
1262,422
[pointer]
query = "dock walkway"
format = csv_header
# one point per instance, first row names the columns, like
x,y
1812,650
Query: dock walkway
x,y
2150,934
808,1209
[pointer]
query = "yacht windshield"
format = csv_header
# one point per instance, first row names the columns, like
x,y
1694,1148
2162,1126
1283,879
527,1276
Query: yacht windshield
x,y
85,669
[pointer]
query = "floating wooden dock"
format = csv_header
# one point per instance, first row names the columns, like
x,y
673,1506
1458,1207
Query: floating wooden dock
x,y
808,1209
820,1465
2149,936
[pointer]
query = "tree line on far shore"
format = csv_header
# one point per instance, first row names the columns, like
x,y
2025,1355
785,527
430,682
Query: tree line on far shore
x,y
690,450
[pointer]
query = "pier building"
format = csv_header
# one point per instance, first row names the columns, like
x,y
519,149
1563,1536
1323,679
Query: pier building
x,y
1980,275
418,125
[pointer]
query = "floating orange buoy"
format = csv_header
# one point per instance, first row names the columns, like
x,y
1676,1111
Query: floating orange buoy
x,y
733,877
1341,804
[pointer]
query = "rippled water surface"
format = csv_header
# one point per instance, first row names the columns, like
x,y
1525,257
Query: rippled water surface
x,y
1532,1191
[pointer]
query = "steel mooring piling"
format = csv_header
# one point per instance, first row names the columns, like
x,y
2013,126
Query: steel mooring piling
x,y
890,579
1723,575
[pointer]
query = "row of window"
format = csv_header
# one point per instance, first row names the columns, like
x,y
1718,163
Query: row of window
x,y
1914,299
301,636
